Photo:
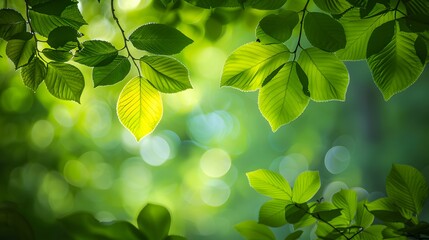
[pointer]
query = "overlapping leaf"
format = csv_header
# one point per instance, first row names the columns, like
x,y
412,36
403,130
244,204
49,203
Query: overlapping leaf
x,y
277,28
64,81
154,222
21,49
333,6
272,213
347,201
252,230
33,73
57,55
111,73
11,23
96,53
324,32
306,186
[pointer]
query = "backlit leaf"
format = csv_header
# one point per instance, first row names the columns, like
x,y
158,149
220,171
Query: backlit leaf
x,y
252,230
166,74
385,210
139,107
21,49
333,6
272,213
306,186
159,39
346,200
277,28
282,100
248,66
327,76
96,53
324,32
374,232
33,73
64,81
11,23
111,73
154,221
270,183
326,211
363,217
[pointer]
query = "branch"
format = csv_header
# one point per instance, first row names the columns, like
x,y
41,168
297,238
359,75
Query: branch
x,y
298,44
133,59
27,14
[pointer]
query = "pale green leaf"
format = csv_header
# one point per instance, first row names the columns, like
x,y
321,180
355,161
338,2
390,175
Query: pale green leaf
x,y
11,23
333,6
282,100
347,200
166,74
363,217
272,213
154,221
397,66
306,186
64,81
21,50
252,230
96,53
111,73
277,28
248,66
407,187
327,75
139,107
324,32
358,31
385,210
270,183
33,73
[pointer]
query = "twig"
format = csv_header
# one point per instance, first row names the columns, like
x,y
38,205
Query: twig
x,y
27,13
298,44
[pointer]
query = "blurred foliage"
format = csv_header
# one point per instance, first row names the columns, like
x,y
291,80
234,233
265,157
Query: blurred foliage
x,y
59,158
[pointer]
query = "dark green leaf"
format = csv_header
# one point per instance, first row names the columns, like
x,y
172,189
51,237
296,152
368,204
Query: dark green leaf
x,y
64,81
21,49
33,73
252,230
57,55
51,7
326,211
214,29
421,49
154,221
380,38
85,226
414,23
272,213
420,228
60,36
324,32
159,39
174,237
416,7
96,53
333,6
303,79
277,28
265,5
359,3
111,73
295,235
385,210
365,11
11,23
13,224
166,74
295,213
407,187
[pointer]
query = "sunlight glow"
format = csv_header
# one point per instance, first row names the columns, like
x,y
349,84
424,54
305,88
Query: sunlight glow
x,y
154,150
215,162
337,159
42,134
215,193
128,4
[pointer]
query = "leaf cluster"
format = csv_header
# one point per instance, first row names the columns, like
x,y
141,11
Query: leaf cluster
x,y
344,217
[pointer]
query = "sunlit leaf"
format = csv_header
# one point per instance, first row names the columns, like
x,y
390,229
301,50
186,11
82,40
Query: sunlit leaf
x,y
295,235
371,233
277,28
252,230
282,99
270,183
324,32
347,200
21,49
33,73
11,23
159,39
64,81
306,186
363,217
407,187
96,53
57,55
139,107
272,213
248,66
333,6
154,221
111,73
386,210
60,36
166,74
327,76
397,66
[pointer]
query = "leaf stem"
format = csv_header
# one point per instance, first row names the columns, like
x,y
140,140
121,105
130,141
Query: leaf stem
x,y
27,13
298,44
133,59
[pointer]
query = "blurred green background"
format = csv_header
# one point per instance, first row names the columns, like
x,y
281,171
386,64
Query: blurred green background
x,y
58,157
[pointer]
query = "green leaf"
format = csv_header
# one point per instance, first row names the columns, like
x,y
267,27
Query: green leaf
x,y
397,66
248,66
421,228
359,3
44,21
166,74
159,39
96,53
214,3
111,73
277,28
407,187
295,213
265,5
57,55
154,222
60,36
282,100
328,76
303,79
21,49
358,31
174,237
272,213
385,210
270,183
371,233
324,32
64,81
415,7
11,23
421,49
85,226
347,200
295,235
380,38
326,211
139,107
363,217
333,6
33,73
306,186
252,230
